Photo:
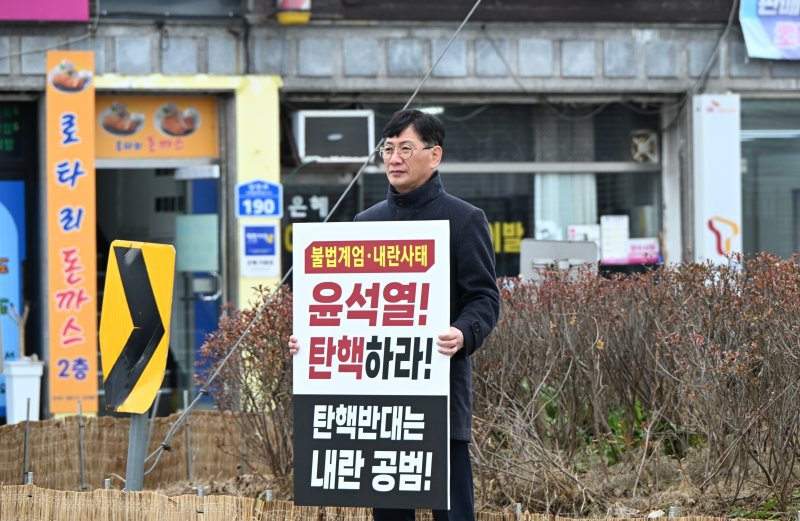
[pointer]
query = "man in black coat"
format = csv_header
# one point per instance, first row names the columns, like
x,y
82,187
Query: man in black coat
x,y
411,153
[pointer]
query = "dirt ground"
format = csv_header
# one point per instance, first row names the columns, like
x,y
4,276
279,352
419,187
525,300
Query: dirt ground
x,y
247,485
684,496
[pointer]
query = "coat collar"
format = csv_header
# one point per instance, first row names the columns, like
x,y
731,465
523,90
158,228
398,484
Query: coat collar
x,y
432,188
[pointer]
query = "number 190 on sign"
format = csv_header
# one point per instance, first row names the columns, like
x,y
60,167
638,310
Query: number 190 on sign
x,y
259,198
258,207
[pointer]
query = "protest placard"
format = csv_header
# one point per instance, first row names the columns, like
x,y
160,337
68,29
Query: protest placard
x,y
371,392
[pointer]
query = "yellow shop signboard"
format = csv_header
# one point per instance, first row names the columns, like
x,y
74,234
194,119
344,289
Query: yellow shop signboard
x,y
146,127
71,231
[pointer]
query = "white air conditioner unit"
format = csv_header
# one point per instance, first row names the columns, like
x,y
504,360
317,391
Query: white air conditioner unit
x,y
334,136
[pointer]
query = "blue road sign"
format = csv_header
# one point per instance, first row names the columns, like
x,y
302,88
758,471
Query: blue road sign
x,y
259,199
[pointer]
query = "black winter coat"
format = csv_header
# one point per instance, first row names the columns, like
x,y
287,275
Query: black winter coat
x,y
474,296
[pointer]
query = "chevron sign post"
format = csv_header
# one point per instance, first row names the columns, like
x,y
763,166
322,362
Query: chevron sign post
x,y
134,337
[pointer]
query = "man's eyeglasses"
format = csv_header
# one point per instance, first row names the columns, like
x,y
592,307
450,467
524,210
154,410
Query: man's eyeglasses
x,y
403,151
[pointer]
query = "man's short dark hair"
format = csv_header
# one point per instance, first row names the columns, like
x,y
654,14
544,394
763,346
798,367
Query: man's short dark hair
x,y
429,128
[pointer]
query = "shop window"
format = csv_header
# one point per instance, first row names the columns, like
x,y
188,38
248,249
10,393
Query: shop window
x,y
16,136
548,132
509,201
770,177
505,198
577,164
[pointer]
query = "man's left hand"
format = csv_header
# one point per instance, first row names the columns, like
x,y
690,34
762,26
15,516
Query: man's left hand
x,y
449,343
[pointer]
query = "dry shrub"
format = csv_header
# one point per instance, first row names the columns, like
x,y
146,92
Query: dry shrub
x,y
597,390
593,396
255,385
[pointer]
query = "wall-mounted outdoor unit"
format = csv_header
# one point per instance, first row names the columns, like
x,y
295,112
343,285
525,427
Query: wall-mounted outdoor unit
x,y
334,136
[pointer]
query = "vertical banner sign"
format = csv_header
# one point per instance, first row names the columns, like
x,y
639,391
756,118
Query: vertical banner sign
x,y
71,231
371,391
716,121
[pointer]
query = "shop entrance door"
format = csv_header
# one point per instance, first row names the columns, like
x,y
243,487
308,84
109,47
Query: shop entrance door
x,y
164,206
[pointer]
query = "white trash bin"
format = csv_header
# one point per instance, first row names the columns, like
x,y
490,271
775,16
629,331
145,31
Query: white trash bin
x,y
23,381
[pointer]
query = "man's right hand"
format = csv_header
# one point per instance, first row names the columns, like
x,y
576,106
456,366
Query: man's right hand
x,y
294,347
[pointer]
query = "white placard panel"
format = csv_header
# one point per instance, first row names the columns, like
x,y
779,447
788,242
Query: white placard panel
x,y
371,391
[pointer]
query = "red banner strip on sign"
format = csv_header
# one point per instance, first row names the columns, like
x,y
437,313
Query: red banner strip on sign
x,y
398,256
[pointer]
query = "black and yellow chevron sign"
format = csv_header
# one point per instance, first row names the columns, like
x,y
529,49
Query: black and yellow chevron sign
x,y
134,323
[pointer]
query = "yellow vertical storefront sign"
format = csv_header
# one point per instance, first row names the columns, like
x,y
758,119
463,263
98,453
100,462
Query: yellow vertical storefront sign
x,y
71,231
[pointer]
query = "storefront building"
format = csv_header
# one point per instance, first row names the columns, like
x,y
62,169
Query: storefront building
x,y
554,121
117,151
